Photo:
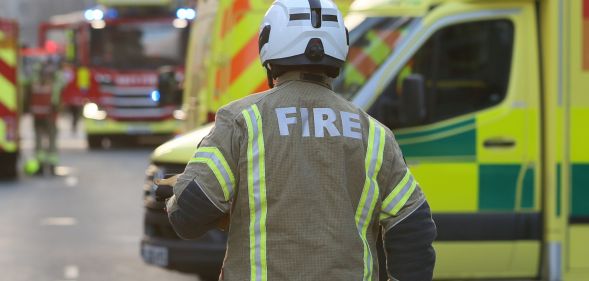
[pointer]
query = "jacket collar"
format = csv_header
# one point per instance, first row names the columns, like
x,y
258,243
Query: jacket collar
x,y
319,79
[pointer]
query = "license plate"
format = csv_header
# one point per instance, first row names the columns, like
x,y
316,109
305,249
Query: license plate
x,y
138,129
155,255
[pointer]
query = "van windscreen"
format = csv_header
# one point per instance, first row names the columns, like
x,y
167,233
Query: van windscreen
x,y
372,41
138,45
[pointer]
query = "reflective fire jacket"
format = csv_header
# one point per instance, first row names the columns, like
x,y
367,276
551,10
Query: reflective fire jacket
x,y
308,180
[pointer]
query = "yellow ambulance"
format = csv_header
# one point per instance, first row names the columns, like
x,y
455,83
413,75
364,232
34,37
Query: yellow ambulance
x,y
487,99
9,99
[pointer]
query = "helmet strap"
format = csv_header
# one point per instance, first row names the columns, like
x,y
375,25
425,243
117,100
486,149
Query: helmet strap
x,y
269,75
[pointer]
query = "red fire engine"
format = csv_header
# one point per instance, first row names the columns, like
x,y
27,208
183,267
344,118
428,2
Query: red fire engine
x,y
113,55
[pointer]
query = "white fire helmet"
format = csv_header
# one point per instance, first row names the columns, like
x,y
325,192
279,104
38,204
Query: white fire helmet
x,y
303,33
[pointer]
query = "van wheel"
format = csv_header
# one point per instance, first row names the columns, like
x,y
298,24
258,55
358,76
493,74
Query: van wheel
x,y
9,164
94,142
209,276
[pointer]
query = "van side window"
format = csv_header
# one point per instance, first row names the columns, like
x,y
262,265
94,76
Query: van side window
x,y
461,69
371,43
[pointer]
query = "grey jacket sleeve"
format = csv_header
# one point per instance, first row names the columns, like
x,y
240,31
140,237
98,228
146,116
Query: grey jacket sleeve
x,y
408,228
204,191
192,213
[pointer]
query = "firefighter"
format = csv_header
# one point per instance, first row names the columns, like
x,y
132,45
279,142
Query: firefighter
x,y
307,179
45,97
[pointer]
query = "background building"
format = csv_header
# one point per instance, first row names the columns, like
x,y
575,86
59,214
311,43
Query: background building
x,y
30,13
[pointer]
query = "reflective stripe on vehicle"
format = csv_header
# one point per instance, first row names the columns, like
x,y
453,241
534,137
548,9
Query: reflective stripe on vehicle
x,y
370,192
213,157
399,196
256,193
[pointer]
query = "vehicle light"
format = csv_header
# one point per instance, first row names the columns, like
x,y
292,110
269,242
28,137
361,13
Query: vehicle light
x,y
179,114
190,13
186,13
92,111
98,24
94,14
111,13
180,23
98,14
89,15
155,95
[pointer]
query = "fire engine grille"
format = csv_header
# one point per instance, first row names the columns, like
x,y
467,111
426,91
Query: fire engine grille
x,y
133,103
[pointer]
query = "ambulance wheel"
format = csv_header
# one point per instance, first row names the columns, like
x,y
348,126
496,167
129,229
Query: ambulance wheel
x,y
9,166
209,276
94,142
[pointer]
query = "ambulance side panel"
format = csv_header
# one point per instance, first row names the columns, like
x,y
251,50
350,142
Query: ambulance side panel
x,y
576,150
477,153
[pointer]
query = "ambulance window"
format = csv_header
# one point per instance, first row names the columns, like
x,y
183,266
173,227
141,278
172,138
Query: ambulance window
x,y
372,41
461,69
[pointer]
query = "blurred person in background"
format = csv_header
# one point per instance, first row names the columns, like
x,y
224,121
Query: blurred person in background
x,y
46,86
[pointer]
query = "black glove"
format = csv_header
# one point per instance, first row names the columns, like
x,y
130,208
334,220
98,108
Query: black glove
x,y
165,188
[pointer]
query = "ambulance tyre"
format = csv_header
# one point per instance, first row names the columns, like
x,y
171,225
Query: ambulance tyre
x,y
211,276
94,142
9,163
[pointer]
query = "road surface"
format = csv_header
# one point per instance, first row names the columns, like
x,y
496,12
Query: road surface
x,y
83,225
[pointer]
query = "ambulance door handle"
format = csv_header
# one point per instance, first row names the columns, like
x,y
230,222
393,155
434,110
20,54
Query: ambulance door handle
x,y
499,143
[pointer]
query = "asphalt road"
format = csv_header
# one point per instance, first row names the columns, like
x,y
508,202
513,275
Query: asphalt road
x,y
83,225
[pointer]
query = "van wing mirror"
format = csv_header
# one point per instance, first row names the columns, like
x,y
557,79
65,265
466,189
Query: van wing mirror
x,y
168,87
413,106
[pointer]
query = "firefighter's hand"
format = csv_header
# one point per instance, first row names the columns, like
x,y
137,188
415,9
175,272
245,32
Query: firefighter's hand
x,y
223,222
165,188
171,181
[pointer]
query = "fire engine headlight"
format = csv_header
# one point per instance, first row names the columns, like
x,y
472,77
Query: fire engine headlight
x,y
180,23
179,114
92,111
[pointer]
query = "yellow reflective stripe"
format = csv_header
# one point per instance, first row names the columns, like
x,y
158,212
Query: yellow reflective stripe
x,y
262,192
353,76
378,49
403,200
70,48
216,171
219,155
250,187
397,189
8,146
241,33
219,166
246,82
83,78
370,192
399,196
7,94
7,88
8,55
225,3
256,194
